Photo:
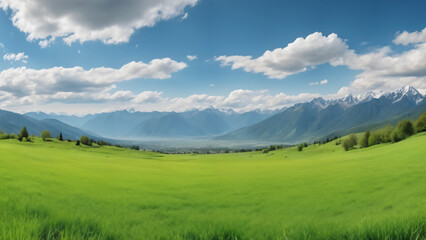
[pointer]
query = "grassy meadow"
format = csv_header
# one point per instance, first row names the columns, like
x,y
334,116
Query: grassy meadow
x,y
56,190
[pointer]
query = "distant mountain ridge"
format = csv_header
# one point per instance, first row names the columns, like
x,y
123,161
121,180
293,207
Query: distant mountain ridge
x,y
11,122
320,117
193,123
301,122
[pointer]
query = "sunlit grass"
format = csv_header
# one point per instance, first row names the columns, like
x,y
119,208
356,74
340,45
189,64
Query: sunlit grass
x,y
53,190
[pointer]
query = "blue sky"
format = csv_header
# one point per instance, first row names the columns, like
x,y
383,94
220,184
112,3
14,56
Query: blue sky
x,y
208,29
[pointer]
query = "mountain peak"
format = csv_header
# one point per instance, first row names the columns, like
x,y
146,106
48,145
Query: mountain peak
x,y
319,102
350,99
407,92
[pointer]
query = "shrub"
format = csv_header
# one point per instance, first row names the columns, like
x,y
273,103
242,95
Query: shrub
x,y
364,139
77,143
403,130
85,140
45,134
385,134
134,147
350,142
382,135
374,139
420,124
4,135
103,143
346,144
60,138
300,147
353,139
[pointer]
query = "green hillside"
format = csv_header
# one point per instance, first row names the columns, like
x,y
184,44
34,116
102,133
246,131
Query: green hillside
x,y
56,190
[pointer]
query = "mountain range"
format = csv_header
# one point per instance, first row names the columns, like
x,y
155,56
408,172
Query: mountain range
x,y
320,118
130,124
307,121
11,122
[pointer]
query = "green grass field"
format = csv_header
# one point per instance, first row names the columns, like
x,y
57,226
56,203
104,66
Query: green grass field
x,y
53,190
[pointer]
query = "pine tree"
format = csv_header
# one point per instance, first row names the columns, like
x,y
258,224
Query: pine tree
x,y
23,134
60,137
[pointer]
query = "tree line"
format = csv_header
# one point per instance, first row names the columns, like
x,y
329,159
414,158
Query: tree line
x,y
45,135
403,129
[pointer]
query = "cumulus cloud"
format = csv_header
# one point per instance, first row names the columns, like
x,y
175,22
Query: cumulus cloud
x,y
148,97
111,22
296,57
16,57
381,69
191,57
240,100
406,38
385,70
40,85
325,81
46,42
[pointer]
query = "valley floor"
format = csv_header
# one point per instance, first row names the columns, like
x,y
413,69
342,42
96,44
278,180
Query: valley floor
x,y
56,190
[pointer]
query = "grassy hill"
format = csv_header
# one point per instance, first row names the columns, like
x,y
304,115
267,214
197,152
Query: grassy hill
x,y
56,190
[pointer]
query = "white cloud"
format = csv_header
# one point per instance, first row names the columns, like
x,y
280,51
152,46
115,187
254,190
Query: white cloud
x,y
384,70
185,16
111,22
71,83
83,103
381,69
148,97
211,85
16,57
240,100
191,57
76,90
2,46
46,42
325,81
406,38
296,57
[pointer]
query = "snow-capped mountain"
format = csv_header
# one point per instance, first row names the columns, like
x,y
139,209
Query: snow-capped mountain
x,y
319,117
315,118
408,92
320,103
